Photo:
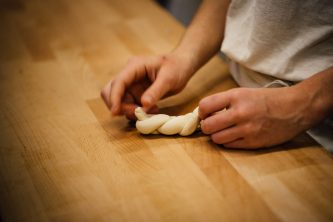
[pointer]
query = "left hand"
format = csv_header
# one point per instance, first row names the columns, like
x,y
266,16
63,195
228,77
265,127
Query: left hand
x,y
255,118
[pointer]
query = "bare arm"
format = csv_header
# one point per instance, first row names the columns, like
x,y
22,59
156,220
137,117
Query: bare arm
x,y
145,80
318,93
264,117
204,36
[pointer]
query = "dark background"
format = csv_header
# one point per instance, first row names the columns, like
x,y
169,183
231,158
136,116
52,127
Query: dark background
x,y
183,10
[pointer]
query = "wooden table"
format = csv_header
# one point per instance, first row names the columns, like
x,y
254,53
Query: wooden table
x,y
64,158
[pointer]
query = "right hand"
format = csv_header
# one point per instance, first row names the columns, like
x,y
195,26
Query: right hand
x,y
144,81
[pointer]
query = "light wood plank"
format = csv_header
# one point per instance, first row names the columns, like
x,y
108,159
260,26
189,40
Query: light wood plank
x,y
64,158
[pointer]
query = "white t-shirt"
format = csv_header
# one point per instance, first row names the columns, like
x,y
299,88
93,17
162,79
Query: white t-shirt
x,y
278,39
271,43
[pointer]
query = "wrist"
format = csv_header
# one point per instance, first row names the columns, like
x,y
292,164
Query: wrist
x,y
187,62
315,106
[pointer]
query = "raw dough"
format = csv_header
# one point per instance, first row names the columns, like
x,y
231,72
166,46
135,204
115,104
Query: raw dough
x,y
169,125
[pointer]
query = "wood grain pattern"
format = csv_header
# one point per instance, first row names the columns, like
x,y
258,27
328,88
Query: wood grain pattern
x,y
64,158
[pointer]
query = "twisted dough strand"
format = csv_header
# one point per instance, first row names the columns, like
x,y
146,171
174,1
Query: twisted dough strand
x,y
169,125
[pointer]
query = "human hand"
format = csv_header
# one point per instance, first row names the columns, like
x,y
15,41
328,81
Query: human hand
x,y
145,80
255,118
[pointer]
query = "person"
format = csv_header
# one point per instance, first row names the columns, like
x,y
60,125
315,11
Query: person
x,y
279,52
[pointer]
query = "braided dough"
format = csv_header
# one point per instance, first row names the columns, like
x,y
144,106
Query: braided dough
x,y
169,125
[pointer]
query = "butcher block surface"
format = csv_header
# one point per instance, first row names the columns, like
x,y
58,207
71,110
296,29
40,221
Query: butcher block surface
x,y
63,157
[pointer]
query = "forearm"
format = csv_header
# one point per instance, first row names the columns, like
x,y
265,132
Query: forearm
x,y
204,36
318,91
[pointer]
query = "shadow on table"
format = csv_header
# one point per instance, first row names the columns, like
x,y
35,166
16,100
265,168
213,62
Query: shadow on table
x,y
301,141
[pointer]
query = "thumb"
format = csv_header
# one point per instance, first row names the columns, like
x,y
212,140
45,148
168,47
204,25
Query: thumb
x,y
155,92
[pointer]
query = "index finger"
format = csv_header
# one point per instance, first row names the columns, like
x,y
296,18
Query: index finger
x,y
125,78
213,103
105,94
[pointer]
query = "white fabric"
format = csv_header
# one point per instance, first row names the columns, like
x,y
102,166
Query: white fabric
x,y
286,39
252,79
273,43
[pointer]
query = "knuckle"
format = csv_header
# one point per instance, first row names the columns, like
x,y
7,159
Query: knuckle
x,y
256,129
169,81
236,115
234,93
238,92
247,129
240,113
